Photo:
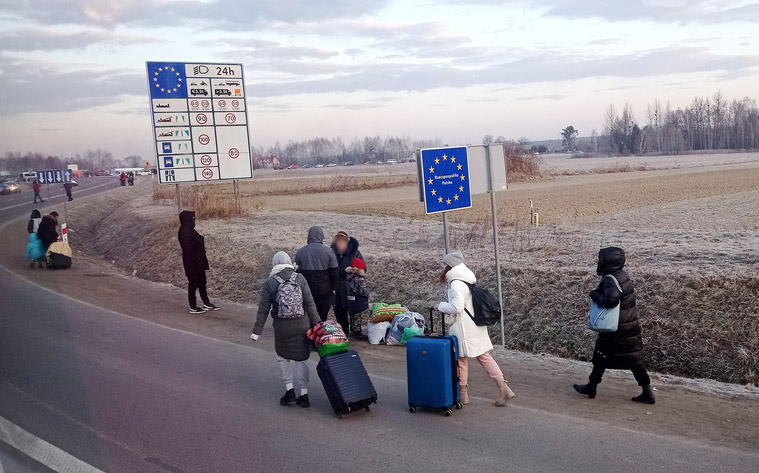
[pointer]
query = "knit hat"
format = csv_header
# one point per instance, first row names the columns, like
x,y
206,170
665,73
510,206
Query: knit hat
x,y
344,235
358,263
454,258
281,258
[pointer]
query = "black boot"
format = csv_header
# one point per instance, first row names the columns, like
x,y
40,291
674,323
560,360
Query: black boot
x,y
586,389
288,398
646,397
303,401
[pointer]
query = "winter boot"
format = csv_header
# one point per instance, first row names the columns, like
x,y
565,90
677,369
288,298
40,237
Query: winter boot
x,y
288,398
646,397
464,394
505,394
586,389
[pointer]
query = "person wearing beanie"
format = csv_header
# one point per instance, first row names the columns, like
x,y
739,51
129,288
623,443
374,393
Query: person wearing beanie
x,y
357,295
290,343
474,341
346,249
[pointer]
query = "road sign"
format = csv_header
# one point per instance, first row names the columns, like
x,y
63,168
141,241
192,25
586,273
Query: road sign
x,y
54,176
200,122
445,178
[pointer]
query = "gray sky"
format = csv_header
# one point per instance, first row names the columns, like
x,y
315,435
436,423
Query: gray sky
x,y
72,74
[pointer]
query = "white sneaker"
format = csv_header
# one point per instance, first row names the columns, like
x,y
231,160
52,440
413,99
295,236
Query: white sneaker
x,y
197,310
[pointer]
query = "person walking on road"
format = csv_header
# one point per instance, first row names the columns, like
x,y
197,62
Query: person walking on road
x,y
317,263
67,186
474,341
621,349
286,295
36,188
194,261
346,249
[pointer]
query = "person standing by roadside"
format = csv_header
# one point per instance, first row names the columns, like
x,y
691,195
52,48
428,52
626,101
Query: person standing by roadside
x,y
194,261
34,246
287,296
36,187
621,349
123,178
346,249
67,186
474,341
34,221
46,232
317,263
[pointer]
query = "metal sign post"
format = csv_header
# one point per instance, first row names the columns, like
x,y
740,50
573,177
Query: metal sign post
x,y
495,239
446,236
179,198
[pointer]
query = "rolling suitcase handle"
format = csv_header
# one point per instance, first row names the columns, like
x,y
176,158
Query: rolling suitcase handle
x,y
432,322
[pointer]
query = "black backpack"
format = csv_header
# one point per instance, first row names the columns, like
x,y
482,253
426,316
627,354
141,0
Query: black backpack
x,y
487,309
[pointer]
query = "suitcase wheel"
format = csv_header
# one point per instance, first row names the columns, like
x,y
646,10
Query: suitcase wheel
x,y
412,409
447,412
459,405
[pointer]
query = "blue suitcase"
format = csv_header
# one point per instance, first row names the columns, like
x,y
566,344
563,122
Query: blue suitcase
x,y
346,382
432,370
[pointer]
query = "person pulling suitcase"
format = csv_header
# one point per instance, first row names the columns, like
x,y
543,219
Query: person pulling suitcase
x,y
474,341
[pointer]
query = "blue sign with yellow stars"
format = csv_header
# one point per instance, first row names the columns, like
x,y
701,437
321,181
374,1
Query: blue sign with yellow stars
x,y
446,179
167,80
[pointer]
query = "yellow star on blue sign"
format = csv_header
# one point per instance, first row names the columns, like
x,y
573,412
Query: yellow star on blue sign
x,y
446,186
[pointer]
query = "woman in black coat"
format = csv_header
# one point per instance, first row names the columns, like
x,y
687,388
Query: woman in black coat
x,y
345,248
195,262
621,349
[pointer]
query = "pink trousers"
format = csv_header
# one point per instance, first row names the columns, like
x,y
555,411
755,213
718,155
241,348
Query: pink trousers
x,y
487,362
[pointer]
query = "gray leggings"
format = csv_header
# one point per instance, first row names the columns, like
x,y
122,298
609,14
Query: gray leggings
x,y
294,373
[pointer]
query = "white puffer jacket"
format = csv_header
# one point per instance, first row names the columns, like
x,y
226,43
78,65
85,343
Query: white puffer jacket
x,y
473,339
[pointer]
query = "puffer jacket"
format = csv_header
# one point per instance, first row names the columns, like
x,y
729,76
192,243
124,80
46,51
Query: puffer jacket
x,y
473,339
344,260
621,349
317,263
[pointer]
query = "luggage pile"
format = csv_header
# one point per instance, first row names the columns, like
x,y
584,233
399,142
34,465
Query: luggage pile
x,y
58,255
393,324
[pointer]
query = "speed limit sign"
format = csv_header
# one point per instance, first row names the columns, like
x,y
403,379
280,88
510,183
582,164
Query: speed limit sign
x,y
207,173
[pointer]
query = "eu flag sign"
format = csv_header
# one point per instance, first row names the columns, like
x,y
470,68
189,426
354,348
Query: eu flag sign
x,y
167,80
446,179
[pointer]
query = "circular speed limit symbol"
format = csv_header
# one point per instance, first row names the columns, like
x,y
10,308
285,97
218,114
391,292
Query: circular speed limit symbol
x,y
207,173
201,118
204,139
194,104
205,160
234,153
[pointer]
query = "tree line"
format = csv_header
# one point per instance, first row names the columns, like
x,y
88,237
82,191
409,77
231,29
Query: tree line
x,y
93,159
707,123
334,150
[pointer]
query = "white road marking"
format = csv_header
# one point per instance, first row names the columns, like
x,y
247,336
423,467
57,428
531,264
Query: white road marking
x,y
37,449
55,196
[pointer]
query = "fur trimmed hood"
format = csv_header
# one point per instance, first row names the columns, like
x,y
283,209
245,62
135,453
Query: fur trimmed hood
x,y
356,271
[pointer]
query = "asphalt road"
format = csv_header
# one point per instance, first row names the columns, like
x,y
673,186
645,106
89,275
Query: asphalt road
x,y
127,395
15,205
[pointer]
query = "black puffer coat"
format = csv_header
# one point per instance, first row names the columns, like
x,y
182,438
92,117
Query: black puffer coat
x,y
344,260
193,244
621,349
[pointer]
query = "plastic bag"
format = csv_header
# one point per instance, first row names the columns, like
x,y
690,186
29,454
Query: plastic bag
x,y
410,332
382,312
330,348
402,322
377,332
325,333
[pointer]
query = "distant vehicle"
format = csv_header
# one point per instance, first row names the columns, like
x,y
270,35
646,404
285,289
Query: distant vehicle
x,y
145,172
305,166
331,165
294,166
348,163
100,172
368,162
412,160
391,161
319,166
28,176
10,187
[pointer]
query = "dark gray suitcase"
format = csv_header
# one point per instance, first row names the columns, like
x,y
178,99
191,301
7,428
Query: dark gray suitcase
x,y
346,382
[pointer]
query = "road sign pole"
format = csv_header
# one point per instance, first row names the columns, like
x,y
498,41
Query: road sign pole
x,y
49,204
491,190
179,198
446,236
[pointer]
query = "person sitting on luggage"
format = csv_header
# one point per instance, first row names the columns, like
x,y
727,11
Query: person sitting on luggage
x,y
474,341
356,295
287,296
621,349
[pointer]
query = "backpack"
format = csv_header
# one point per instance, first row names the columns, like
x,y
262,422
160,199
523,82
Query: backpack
x,y
289,298
487,309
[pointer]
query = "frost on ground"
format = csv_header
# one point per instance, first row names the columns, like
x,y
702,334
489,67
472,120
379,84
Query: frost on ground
x,y
693,262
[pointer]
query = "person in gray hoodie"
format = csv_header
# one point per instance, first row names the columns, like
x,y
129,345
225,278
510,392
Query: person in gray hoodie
x,y
290,342
318,264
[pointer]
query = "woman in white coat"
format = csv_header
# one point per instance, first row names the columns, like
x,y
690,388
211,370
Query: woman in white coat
x,y
474,341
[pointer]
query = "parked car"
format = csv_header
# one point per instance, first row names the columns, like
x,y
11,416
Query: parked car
x,y
145,172
348,163
391,161
319,166
305,166
10,187
28,176
294,166
331,165
412,160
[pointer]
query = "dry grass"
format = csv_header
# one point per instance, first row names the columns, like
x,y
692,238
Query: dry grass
x,y
520,164
620,167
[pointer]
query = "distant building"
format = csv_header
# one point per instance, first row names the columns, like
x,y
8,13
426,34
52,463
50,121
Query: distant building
x,y
266,162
